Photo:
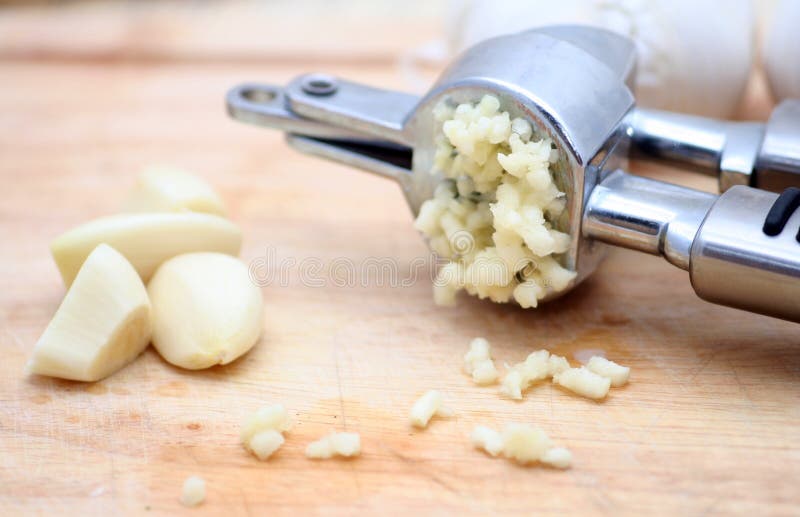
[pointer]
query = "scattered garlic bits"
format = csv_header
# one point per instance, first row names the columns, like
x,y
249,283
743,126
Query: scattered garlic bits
x,y
492,214
346,445
262,431
617,374
194,491
558,457
584,382
167,189
478,362
538,366
103,323
522,443
487,439
428,405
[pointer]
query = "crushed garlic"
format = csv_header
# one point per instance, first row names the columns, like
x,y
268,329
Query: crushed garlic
x,y
487,439
557,457
478,362
539,365
261,432
584,382
493,214
335,444
617,374
426,407
194,491
522,443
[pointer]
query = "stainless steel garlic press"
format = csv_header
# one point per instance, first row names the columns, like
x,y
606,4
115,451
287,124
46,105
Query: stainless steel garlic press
x,y
741,248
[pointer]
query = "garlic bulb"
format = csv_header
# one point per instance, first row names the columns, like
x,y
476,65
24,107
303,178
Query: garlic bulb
x,y
694,56
782,50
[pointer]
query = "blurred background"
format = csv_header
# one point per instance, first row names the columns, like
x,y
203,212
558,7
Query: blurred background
x,y
697,56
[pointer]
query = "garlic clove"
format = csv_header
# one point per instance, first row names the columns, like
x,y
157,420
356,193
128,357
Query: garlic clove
x,y
206,311
167,189
103,323
146,240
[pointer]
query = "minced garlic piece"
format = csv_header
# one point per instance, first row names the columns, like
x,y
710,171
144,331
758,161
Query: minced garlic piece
x,y
522,443
487,439
265,443
617,374
426,406
557,457
261,432
537,366
194,491
492,216
478,362
335,444
584,382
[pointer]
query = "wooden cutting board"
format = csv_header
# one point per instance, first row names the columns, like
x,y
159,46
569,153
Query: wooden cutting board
x,y
708,424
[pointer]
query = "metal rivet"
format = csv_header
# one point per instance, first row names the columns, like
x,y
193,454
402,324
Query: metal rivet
x,y
319,84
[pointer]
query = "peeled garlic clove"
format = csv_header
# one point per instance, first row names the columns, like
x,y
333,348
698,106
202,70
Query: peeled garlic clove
x,y
166,189
206,311
146,240
102,324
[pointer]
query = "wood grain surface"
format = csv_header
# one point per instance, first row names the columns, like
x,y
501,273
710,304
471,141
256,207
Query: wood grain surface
x,y
708,425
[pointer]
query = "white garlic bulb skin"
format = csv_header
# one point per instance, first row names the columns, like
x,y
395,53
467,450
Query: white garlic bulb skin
x,y
692,56
782,51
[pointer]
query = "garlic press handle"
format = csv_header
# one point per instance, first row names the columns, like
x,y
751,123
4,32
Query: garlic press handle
x,y
333,119
740,248
746,253
765,156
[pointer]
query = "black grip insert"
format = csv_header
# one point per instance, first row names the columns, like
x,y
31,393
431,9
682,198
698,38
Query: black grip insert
x,y
782,209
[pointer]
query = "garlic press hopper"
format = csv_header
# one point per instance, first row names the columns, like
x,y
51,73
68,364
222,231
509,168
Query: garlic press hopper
x,y
574,84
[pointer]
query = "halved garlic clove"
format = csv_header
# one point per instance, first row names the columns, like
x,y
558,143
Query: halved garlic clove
x,y
103,323
146,240
206,310
167,189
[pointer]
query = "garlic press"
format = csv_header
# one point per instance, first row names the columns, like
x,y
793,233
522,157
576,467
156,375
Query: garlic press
x,y
575,85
